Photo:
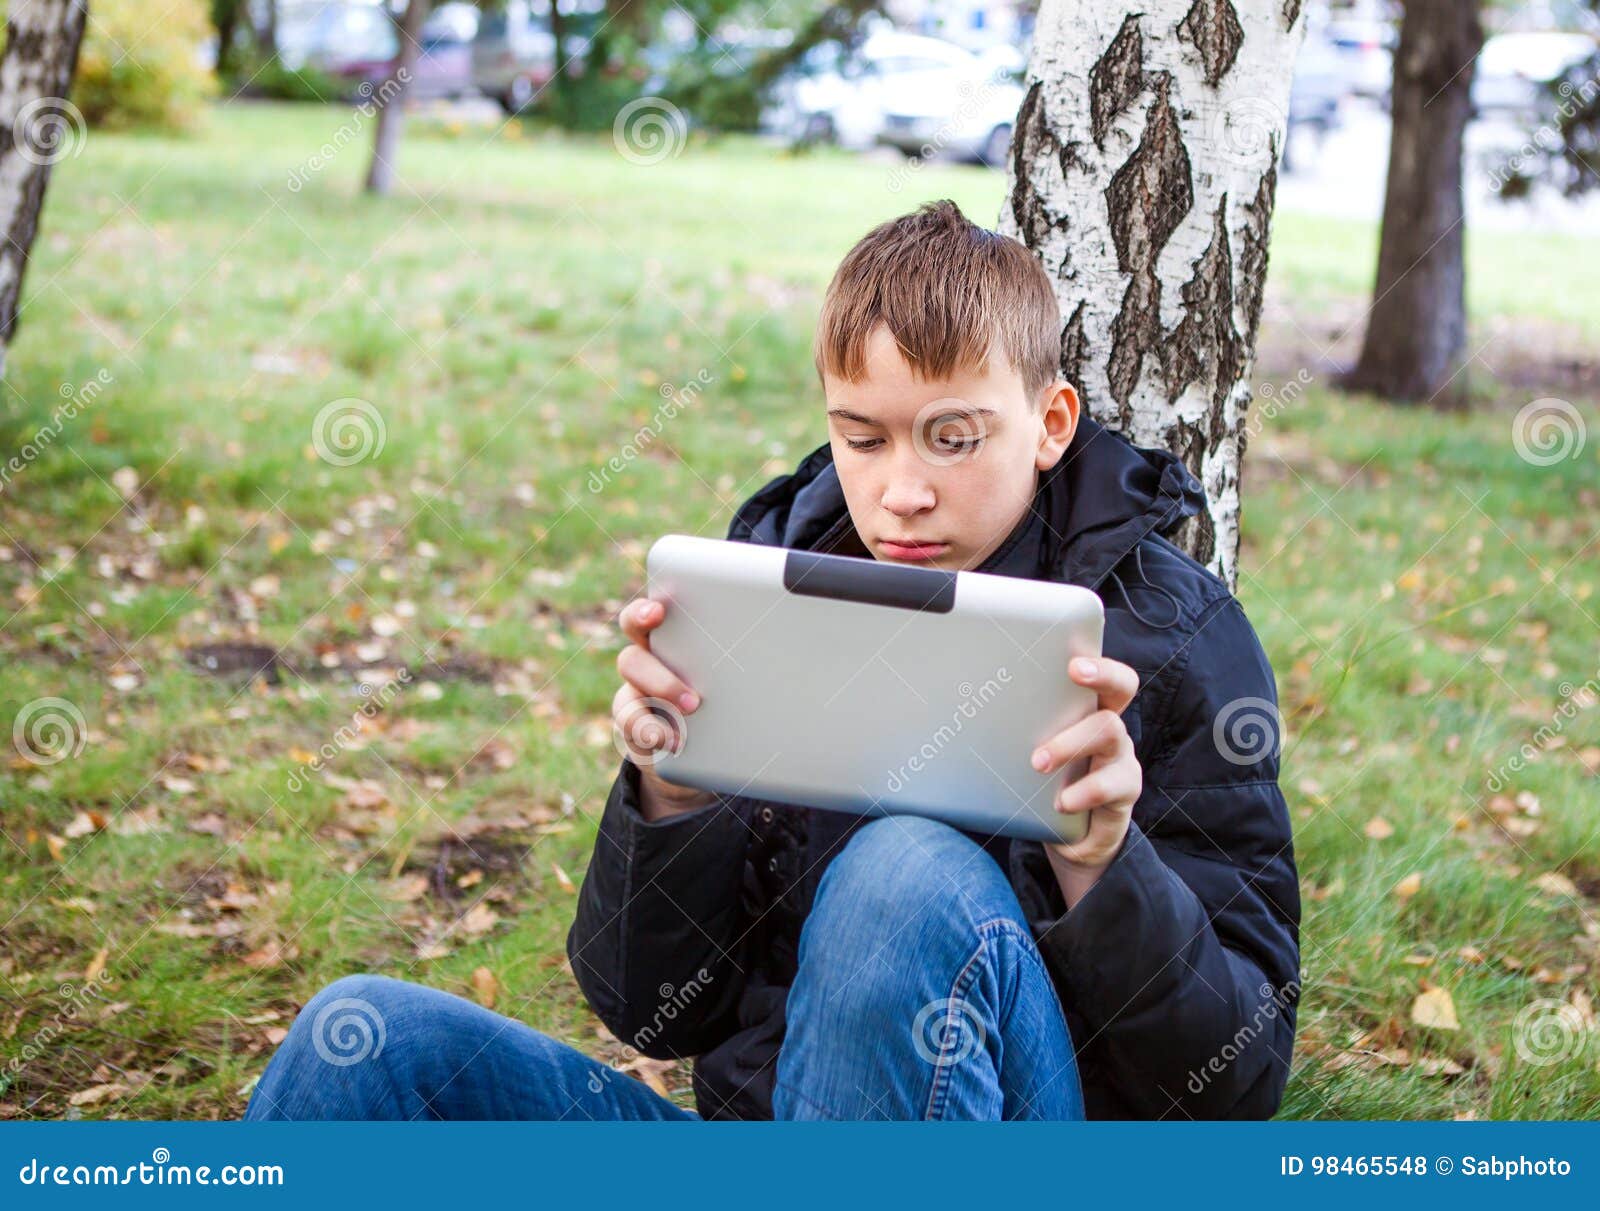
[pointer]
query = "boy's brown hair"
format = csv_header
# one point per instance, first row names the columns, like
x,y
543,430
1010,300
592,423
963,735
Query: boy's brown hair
x,y
949,292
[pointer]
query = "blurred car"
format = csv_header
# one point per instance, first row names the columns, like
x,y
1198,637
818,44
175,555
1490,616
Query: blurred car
x,y
513,53
904,91
1514,70
1364,49
1316,96
356,43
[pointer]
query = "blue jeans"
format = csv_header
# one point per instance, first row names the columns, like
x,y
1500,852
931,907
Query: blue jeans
x,y
919,994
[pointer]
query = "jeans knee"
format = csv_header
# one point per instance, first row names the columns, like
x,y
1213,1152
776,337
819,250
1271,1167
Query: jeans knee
x,y
900,870
347,1022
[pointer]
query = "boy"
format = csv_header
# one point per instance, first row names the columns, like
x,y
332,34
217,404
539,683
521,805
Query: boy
x,y
820,965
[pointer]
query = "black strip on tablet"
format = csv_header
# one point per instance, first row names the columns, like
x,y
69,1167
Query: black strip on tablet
x,y
869,581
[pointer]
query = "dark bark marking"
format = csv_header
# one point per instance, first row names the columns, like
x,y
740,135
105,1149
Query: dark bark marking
x,y
1033,139
1151,192
1146,200
1291,13
1074,349
1117,78
1205,346
1253,237
1212,26
1135,332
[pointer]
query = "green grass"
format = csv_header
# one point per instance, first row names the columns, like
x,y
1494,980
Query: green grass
x,y
511,318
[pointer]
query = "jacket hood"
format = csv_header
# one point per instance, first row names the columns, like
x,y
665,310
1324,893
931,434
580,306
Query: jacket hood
x,y
1097,503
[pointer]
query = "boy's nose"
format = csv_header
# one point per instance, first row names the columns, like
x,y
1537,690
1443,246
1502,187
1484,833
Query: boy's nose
x,y
904,497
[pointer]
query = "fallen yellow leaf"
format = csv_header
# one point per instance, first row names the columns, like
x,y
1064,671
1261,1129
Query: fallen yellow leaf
x,y
1409,886
1435,1009
1378,829
485,987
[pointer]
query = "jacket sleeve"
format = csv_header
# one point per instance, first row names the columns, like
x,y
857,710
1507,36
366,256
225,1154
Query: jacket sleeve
x,y
1183,959
658,921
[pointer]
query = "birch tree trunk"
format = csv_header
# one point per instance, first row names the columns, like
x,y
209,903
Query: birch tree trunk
x,y
1142,174
1417,328
38,126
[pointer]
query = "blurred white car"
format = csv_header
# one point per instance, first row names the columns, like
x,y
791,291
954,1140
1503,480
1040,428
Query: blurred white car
x,y
1513,69
903,90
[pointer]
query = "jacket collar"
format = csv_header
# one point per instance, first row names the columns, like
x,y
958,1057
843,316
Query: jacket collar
x,y
1090,510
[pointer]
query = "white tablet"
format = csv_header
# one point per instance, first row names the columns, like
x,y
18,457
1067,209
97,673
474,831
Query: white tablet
x,y
855,685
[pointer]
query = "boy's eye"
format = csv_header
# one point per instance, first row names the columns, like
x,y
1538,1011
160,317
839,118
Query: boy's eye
x,y
864,444
958,444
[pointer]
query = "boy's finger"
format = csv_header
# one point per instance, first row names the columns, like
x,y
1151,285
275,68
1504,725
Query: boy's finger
x,y
645,673
639,617
1101,734
1114,783
1115,682
643,730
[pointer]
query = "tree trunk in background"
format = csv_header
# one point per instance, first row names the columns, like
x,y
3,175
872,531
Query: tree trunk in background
x,y
1417,328
390,98
1143,170
37,127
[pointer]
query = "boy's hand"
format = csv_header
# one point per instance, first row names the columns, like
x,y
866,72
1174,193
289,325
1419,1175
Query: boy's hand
x,y
647,683
1112,783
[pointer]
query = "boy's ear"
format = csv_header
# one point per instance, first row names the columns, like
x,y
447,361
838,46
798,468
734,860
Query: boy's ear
x,y
1059,421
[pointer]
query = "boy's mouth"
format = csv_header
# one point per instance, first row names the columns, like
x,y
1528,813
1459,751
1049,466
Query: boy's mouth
x,y
919,550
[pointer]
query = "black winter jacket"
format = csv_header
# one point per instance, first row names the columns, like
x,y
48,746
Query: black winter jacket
x,y
1178,971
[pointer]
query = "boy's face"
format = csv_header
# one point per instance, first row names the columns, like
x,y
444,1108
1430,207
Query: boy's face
x,y
952,463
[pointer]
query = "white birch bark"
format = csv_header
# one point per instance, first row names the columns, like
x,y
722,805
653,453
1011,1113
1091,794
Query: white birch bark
x,y
38,126
1142,174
